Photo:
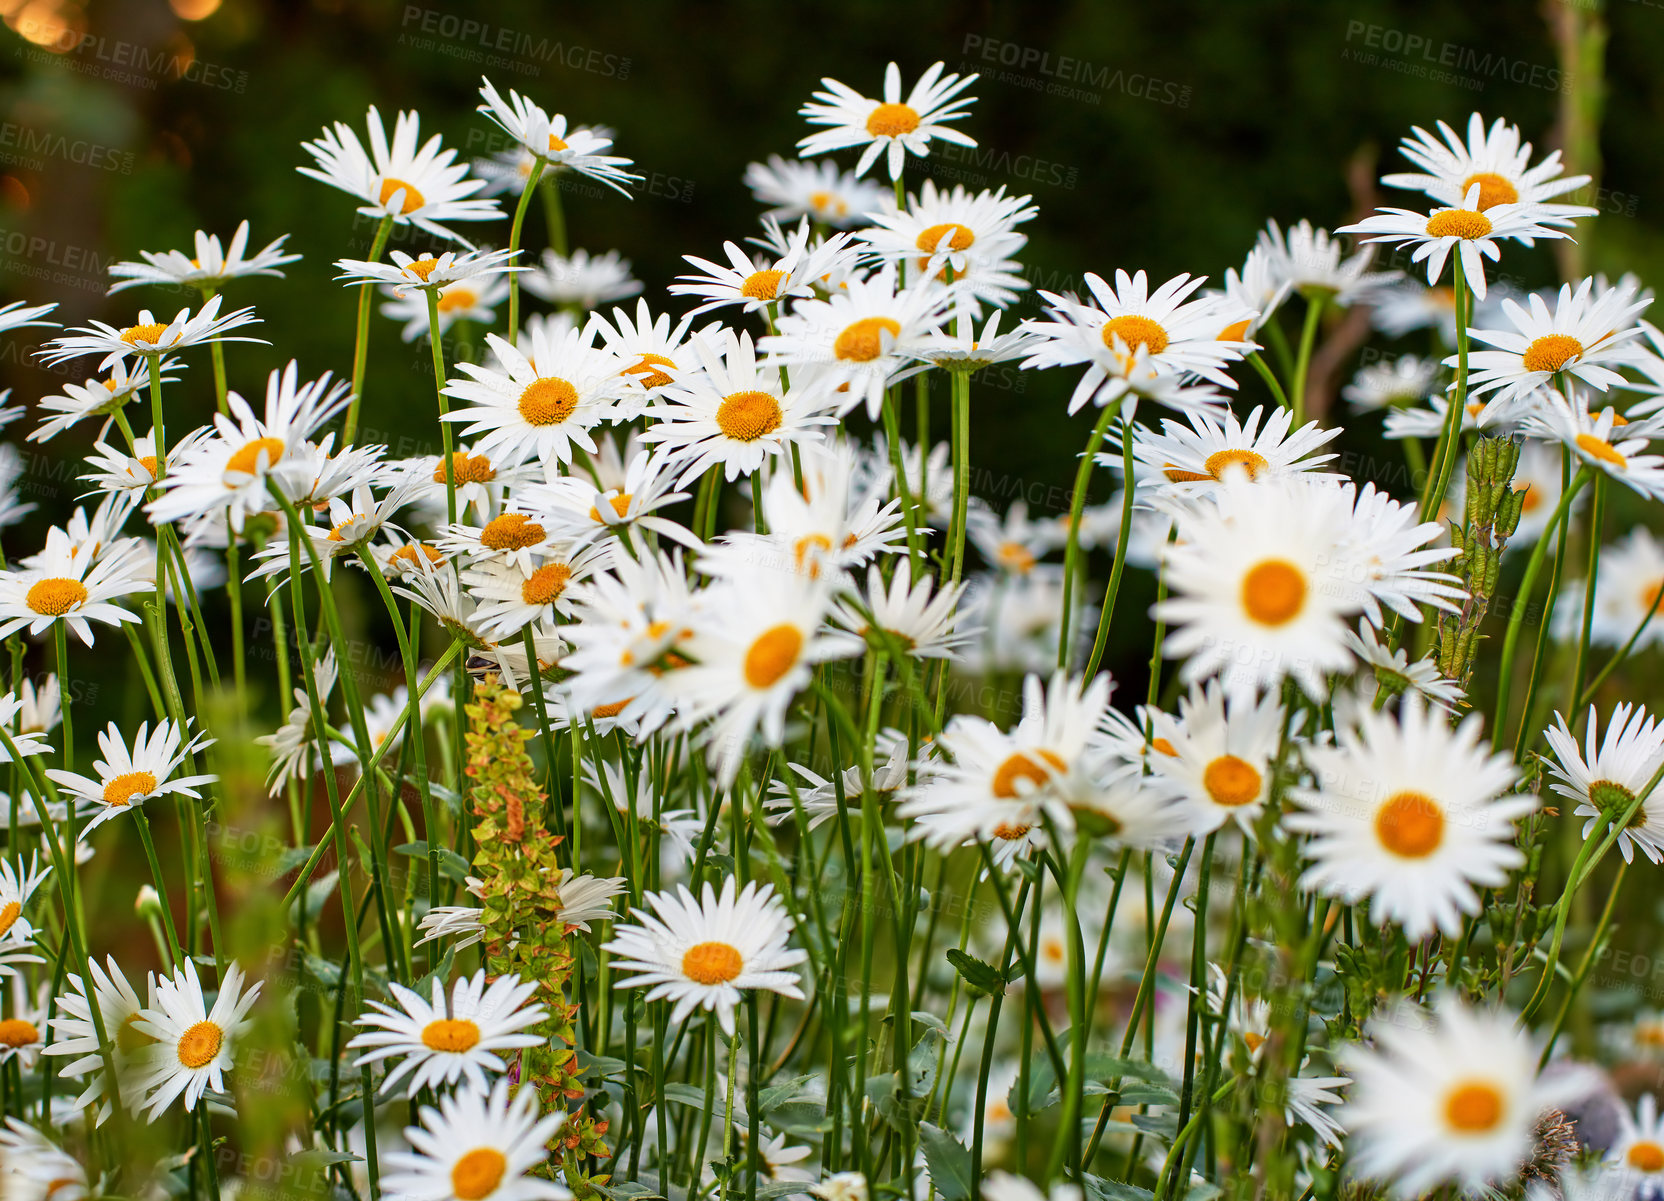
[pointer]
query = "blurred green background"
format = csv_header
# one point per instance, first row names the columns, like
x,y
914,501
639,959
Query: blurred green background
x,y
1151,136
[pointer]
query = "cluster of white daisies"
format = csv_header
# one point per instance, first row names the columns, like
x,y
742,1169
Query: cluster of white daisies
x,y
551,543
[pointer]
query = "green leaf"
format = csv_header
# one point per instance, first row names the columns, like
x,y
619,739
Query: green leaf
x,y
1099,1189
949,1162
984,979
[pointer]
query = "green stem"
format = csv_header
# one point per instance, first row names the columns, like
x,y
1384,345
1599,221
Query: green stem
x,y
514,244
1302,364
1083,478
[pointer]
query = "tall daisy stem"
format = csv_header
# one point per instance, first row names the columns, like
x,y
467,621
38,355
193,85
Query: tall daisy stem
x,y
361,347
514,244
1303,362
1083,477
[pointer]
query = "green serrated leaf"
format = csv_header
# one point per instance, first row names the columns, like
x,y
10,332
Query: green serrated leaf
x,y
949,1162
982,978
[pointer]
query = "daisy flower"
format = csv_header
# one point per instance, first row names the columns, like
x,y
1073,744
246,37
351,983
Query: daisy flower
x,y
1565,418
16,888
1219,754
127,778
227,475
754,646
427,272
892,126
1259,288
1466,227
59,585
1451,1096
117,471
817,796
1199,457
547,138
651,351
1495,161
148,336
509,596
1394,673
702,953
1392,383
581,509
818,190
1314,264
582,279
481,482
412,185
540,399
36,1167
860,340
1132,337
212,267
1639,1147
23,1035
905,614
968,351
1410,814
735,414
756,286
1583,337
1428,421
970,236
1626,594
292,743
477,1145
1258,588
443,1042
1606,777
472,299
193,1042
39,709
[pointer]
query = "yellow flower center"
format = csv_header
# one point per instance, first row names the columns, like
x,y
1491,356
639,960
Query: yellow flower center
x,y
15,1032
747,416
1273,592
339,533
1551,352
413,199
1645,1156
9,916
762,285
511,531
1165,747
1458,223
892,121
1493,189
150,464
457,296
123,788
129,1037
147,334
828,202
1598,448
620,505
423,267
450,1034
1234,333
1254,1039
808,550
931,239
1135,332
548,400
1223,460
556,145
612,710
466,469
55,597
408,552
863,341
1531,500
200,1045
711,963
772,655
1011,831
545,585
647,370
1019,766
1410,825
1474,1107
477,1174
1014,556
1231,781
246,458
